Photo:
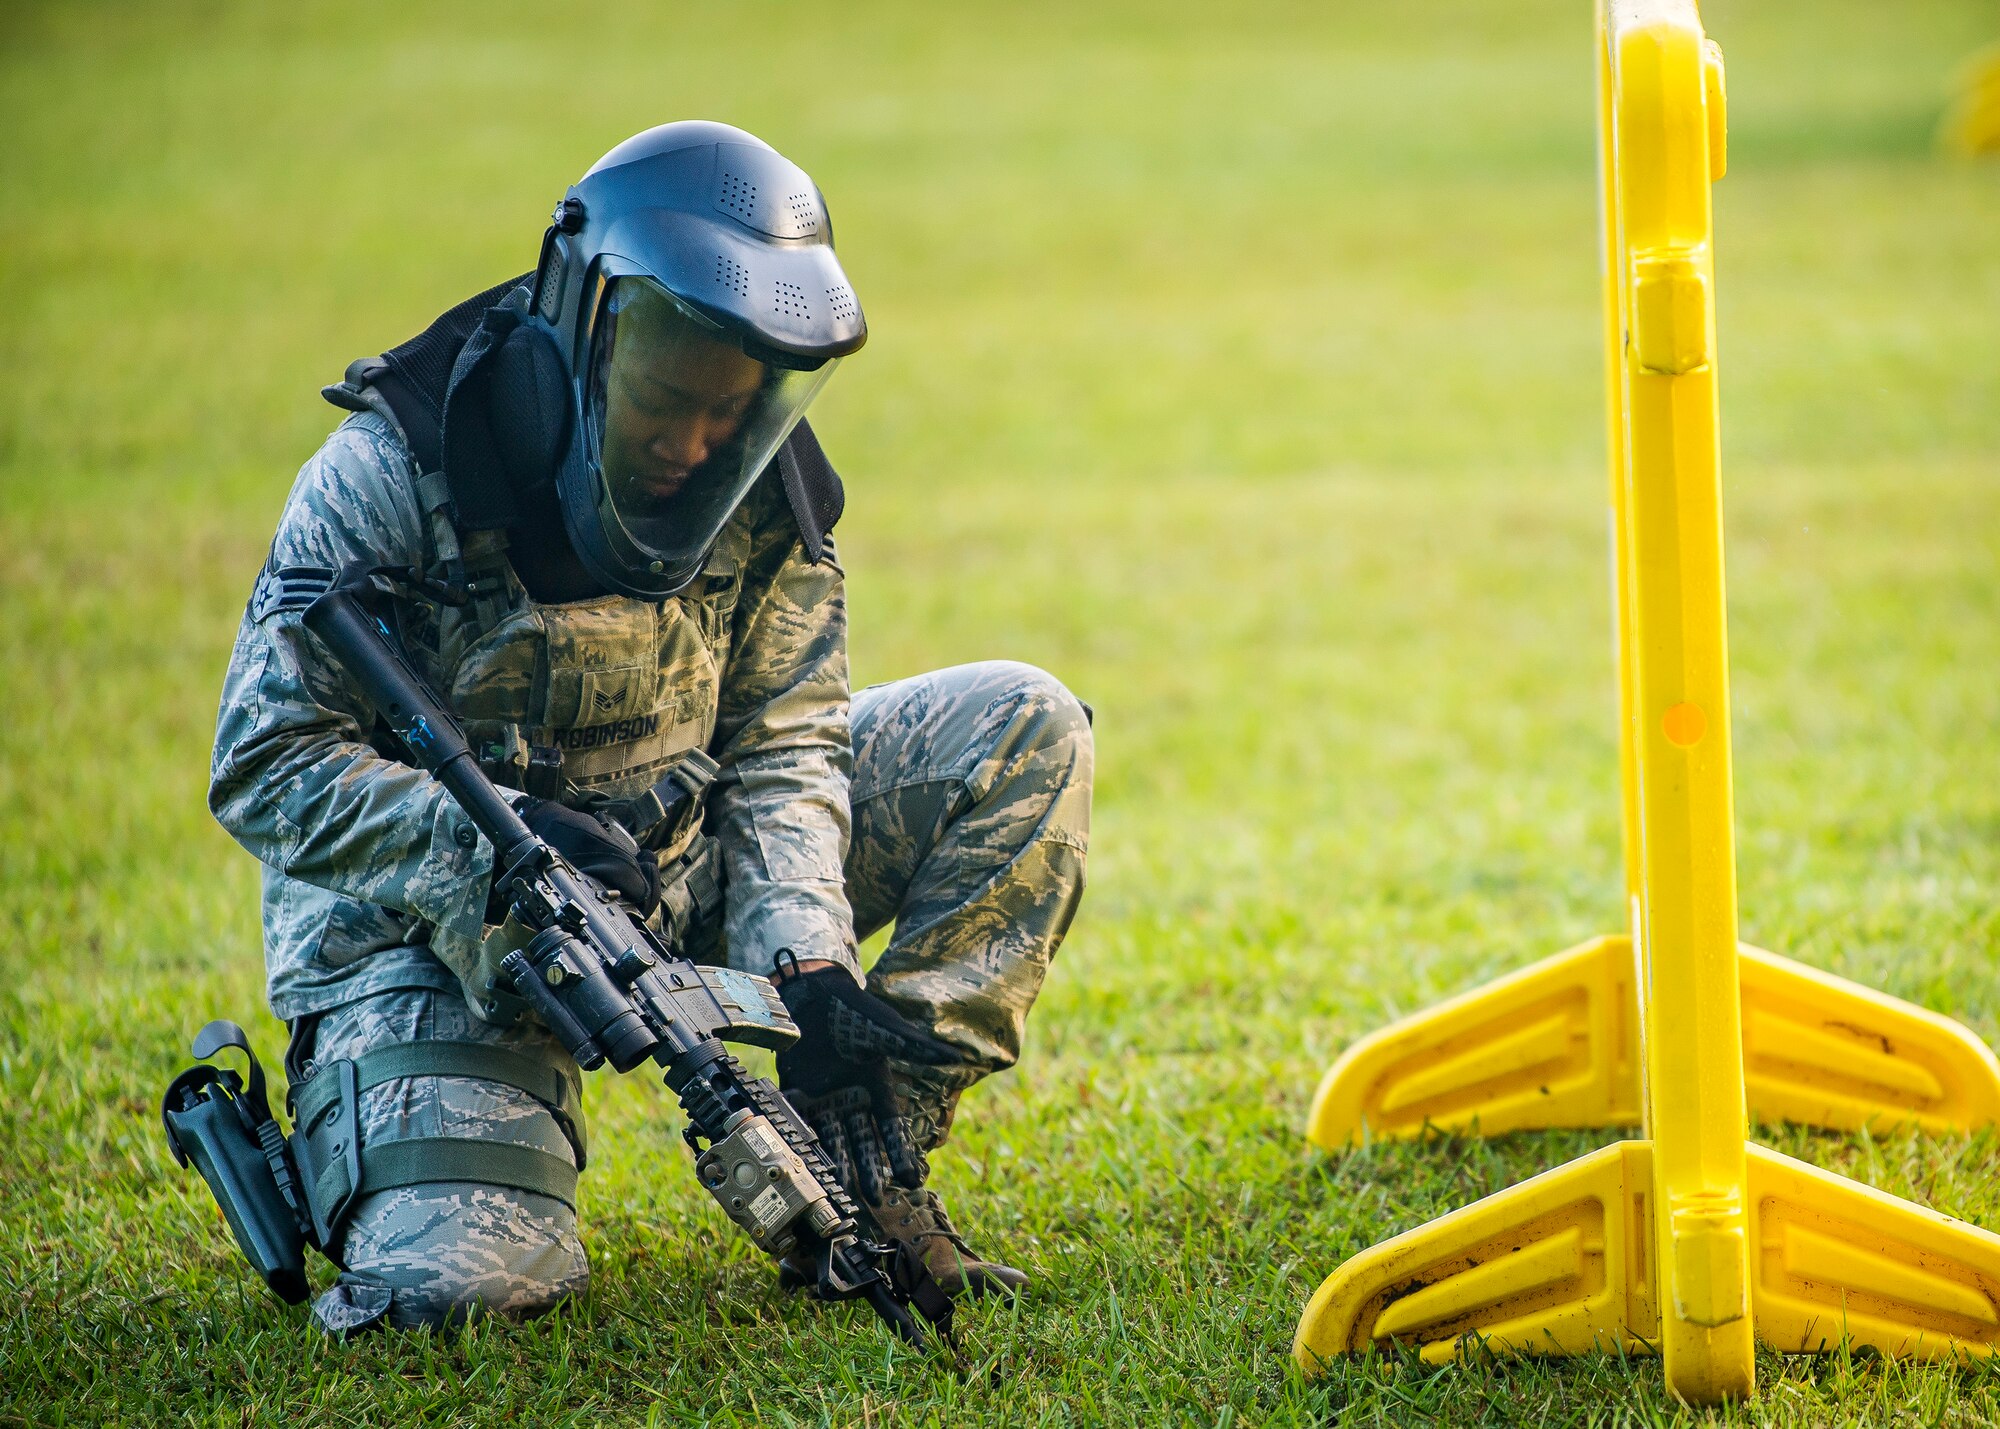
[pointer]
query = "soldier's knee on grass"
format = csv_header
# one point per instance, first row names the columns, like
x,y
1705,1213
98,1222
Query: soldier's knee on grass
x,y
433,1256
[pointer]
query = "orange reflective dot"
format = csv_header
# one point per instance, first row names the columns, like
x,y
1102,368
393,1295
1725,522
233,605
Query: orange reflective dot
x,y
1684,724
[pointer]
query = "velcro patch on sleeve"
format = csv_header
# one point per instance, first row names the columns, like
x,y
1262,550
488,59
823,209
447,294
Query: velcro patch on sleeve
x,y
288,588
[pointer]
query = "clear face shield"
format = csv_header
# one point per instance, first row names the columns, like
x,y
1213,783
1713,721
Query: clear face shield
x,y
679,422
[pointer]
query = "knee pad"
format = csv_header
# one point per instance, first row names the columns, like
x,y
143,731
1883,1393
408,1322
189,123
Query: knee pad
x,y
437,1255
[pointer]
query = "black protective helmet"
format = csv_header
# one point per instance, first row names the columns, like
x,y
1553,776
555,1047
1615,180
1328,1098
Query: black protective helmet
x,y
689,285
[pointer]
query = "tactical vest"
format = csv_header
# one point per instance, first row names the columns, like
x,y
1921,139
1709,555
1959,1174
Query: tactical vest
x,y
591,702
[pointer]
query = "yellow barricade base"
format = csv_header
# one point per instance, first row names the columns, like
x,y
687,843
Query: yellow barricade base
x,y
1563,1265
1557,1045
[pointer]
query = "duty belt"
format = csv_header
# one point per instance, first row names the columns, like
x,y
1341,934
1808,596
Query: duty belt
x,y
658,817
665,818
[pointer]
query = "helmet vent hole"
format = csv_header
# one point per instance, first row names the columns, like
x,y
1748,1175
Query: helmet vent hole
x,y
739,196
732,275
805,214
840,298
790,299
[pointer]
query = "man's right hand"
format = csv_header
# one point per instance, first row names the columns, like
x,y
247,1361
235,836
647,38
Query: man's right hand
x,y
597,848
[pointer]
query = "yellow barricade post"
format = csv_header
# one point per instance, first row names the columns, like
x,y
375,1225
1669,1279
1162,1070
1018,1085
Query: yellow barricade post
x,y
1972,125
1690,1240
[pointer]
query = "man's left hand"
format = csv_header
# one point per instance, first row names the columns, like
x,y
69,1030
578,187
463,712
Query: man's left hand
x,y
839,1075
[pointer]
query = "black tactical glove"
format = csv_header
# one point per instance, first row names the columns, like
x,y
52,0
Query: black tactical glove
x,y
841,1076
597,848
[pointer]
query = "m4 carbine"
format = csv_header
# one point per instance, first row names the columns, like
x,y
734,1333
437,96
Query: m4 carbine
x,y
612,990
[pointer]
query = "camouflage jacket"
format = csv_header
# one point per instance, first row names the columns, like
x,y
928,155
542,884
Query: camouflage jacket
x,y
374,879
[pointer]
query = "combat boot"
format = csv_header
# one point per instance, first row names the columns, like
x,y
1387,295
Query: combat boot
x,y
915,1221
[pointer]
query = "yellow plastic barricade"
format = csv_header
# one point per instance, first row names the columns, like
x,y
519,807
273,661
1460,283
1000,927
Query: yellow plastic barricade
x,y
1687,1241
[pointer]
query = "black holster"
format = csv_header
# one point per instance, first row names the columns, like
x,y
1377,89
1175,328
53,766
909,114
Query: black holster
x,y
225,1129
283,1193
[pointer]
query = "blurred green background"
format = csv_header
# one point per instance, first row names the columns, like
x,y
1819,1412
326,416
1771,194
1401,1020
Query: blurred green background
x,y
1238,364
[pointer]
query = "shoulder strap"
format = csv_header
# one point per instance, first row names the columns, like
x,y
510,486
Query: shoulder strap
x,y
435,499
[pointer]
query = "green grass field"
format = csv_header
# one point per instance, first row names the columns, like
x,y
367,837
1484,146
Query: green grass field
x,y
1239,364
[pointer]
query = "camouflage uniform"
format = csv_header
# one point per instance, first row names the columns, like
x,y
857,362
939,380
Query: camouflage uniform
x,y
967,791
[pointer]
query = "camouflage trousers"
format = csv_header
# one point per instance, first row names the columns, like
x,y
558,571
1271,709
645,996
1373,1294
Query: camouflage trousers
x,y
971,820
